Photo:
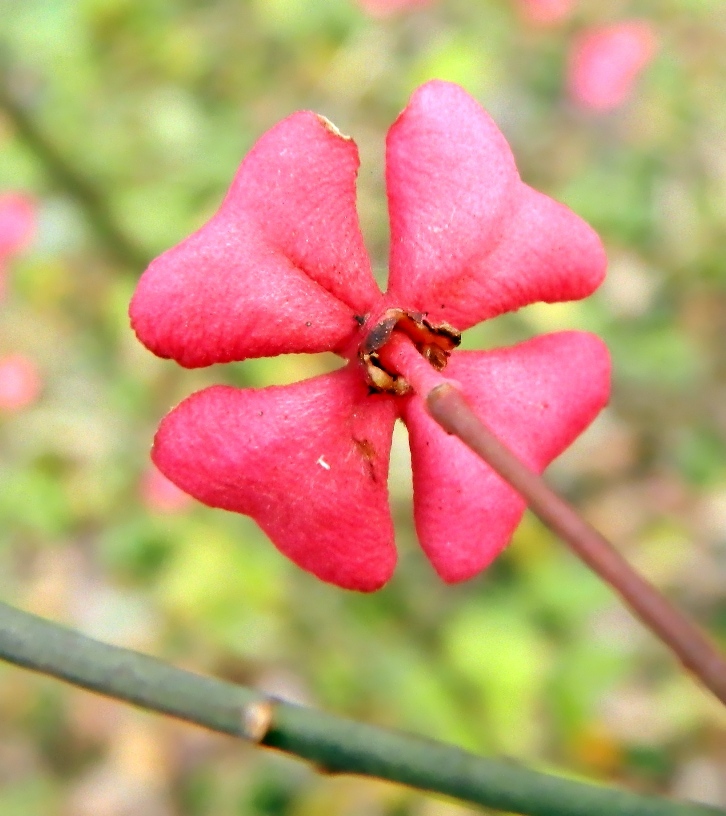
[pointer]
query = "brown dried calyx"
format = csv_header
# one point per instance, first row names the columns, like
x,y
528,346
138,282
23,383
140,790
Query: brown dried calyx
x,y
434,341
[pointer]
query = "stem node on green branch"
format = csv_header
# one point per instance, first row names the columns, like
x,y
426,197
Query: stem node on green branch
x,y
257,718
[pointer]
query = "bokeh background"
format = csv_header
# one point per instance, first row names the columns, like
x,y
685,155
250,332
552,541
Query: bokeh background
x,y
125,120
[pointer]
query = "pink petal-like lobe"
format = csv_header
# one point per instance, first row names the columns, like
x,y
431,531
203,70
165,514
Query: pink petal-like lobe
x,y
280,268
537,397
547,254
309,462
470,240
451,180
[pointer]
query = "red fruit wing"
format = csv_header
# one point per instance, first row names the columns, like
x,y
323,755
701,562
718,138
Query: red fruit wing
x,y
309,462
469,239
280,268
537,397
547,254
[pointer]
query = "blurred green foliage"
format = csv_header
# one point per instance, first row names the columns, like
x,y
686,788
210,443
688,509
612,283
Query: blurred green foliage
x,y
155,102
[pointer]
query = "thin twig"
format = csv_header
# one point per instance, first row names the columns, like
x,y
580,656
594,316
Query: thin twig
x,y
334,744
74,182
448,406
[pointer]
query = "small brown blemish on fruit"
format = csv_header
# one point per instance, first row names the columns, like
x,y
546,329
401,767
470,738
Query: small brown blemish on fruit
x,y
366,448
368,452
328,125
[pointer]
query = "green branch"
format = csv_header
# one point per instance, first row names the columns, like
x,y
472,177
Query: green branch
x,y
332,743
70,179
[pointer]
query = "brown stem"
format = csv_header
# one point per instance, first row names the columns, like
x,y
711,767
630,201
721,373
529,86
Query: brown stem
x,y
449,408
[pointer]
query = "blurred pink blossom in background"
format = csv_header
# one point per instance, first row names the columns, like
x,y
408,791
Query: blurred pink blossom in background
x,y
160,495
605,62
20,383
17,225
382,8
17,222
546,12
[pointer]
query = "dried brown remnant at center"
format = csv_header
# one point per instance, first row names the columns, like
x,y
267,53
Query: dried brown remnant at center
x,y
435,341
